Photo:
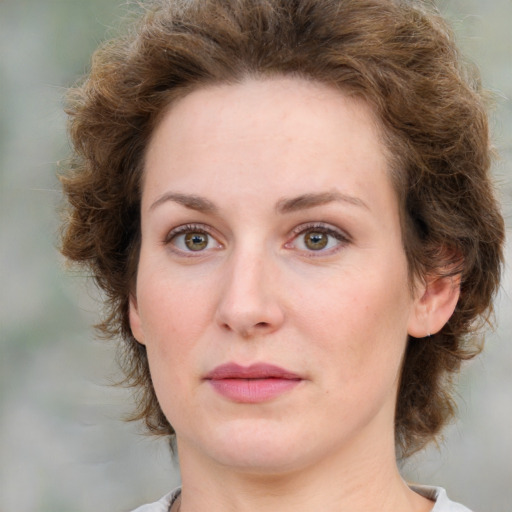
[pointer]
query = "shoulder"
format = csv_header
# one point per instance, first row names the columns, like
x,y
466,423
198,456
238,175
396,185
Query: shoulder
x,y
438,494
162,505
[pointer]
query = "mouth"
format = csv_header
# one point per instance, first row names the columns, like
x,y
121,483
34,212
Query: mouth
x,y
256,383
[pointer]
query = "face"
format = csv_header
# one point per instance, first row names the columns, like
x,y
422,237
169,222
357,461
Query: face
x,y
272,291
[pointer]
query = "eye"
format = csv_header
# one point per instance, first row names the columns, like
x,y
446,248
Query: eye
x,y
317,238
192,238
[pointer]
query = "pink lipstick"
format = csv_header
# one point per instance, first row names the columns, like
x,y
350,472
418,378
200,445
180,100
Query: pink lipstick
x,y
251,384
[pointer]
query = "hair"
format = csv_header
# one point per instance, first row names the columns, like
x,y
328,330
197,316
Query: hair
x,y
399,56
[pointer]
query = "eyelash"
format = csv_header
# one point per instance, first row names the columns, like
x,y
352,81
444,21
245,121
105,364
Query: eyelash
x,y
303,229
186,228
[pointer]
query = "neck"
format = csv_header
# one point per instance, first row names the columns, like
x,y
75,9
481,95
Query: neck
x,y
357,480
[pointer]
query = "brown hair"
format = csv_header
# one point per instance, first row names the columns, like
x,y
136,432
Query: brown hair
x,y
398,55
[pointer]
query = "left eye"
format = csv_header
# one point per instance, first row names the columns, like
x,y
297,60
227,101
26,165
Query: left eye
x,y
193,240
196,241
317,239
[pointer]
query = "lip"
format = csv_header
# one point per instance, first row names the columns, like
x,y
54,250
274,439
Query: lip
x,y
260,382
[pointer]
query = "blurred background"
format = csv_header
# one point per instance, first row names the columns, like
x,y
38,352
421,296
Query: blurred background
x,y
63,444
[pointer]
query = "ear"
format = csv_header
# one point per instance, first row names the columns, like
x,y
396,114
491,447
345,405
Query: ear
x,y
434,305
135,321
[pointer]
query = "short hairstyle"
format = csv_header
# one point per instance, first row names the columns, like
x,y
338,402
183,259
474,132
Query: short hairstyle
x,y
399,56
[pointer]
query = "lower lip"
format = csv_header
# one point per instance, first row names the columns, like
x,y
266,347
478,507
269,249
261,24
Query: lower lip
x,y
251,391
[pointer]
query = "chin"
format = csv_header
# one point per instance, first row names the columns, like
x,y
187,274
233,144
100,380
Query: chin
x,y
259,447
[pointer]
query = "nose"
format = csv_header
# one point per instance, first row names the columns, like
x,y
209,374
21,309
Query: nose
x,y
249,303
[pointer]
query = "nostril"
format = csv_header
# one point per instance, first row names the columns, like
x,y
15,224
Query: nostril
x,y
262,324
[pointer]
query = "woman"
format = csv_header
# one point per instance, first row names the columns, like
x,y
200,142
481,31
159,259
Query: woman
x,y
289,207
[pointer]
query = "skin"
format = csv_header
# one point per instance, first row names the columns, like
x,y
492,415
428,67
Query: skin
x,y
256,169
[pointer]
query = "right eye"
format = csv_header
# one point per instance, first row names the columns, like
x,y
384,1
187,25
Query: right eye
x,y
192,239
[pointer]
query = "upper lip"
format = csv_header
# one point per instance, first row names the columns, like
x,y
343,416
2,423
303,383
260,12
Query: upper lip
x,y
254,371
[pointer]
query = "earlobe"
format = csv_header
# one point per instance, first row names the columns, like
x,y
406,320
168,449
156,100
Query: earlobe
x,y
434,305
135,322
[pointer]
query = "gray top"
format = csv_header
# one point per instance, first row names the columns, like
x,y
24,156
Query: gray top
x,y
438,494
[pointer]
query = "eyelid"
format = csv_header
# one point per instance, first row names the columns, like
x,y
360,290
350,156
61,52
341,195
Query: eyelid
x,y
185,228
321,226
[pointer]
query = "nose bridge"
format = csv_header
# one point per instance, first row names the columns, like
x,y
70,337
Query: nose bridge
x,y
248,301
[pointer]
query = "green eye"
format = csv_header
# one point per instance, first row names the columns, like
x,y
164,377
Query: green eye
x,y
191,239
322,239
196,241
316,240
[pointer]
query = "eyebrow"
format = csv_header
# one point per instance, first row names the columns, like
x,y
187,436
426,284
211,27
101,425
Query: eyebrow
x,y
311,200
286,205
191,201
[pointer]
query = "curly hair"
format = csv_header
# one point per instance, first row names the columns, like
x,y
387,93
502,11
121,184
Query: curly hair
x,y
399,56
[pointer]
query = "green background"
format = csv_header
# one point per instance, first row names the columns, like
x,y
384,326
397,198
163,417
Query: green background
x,y
63,447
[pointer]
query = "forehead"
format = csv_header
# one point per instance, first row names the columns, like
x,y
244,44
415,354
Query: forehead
x,y
266,104
262,132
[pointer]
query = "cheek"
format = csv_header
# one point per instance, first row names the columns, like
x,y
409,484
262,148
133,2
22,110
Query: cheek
x,y
173,316
173,310
361,320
